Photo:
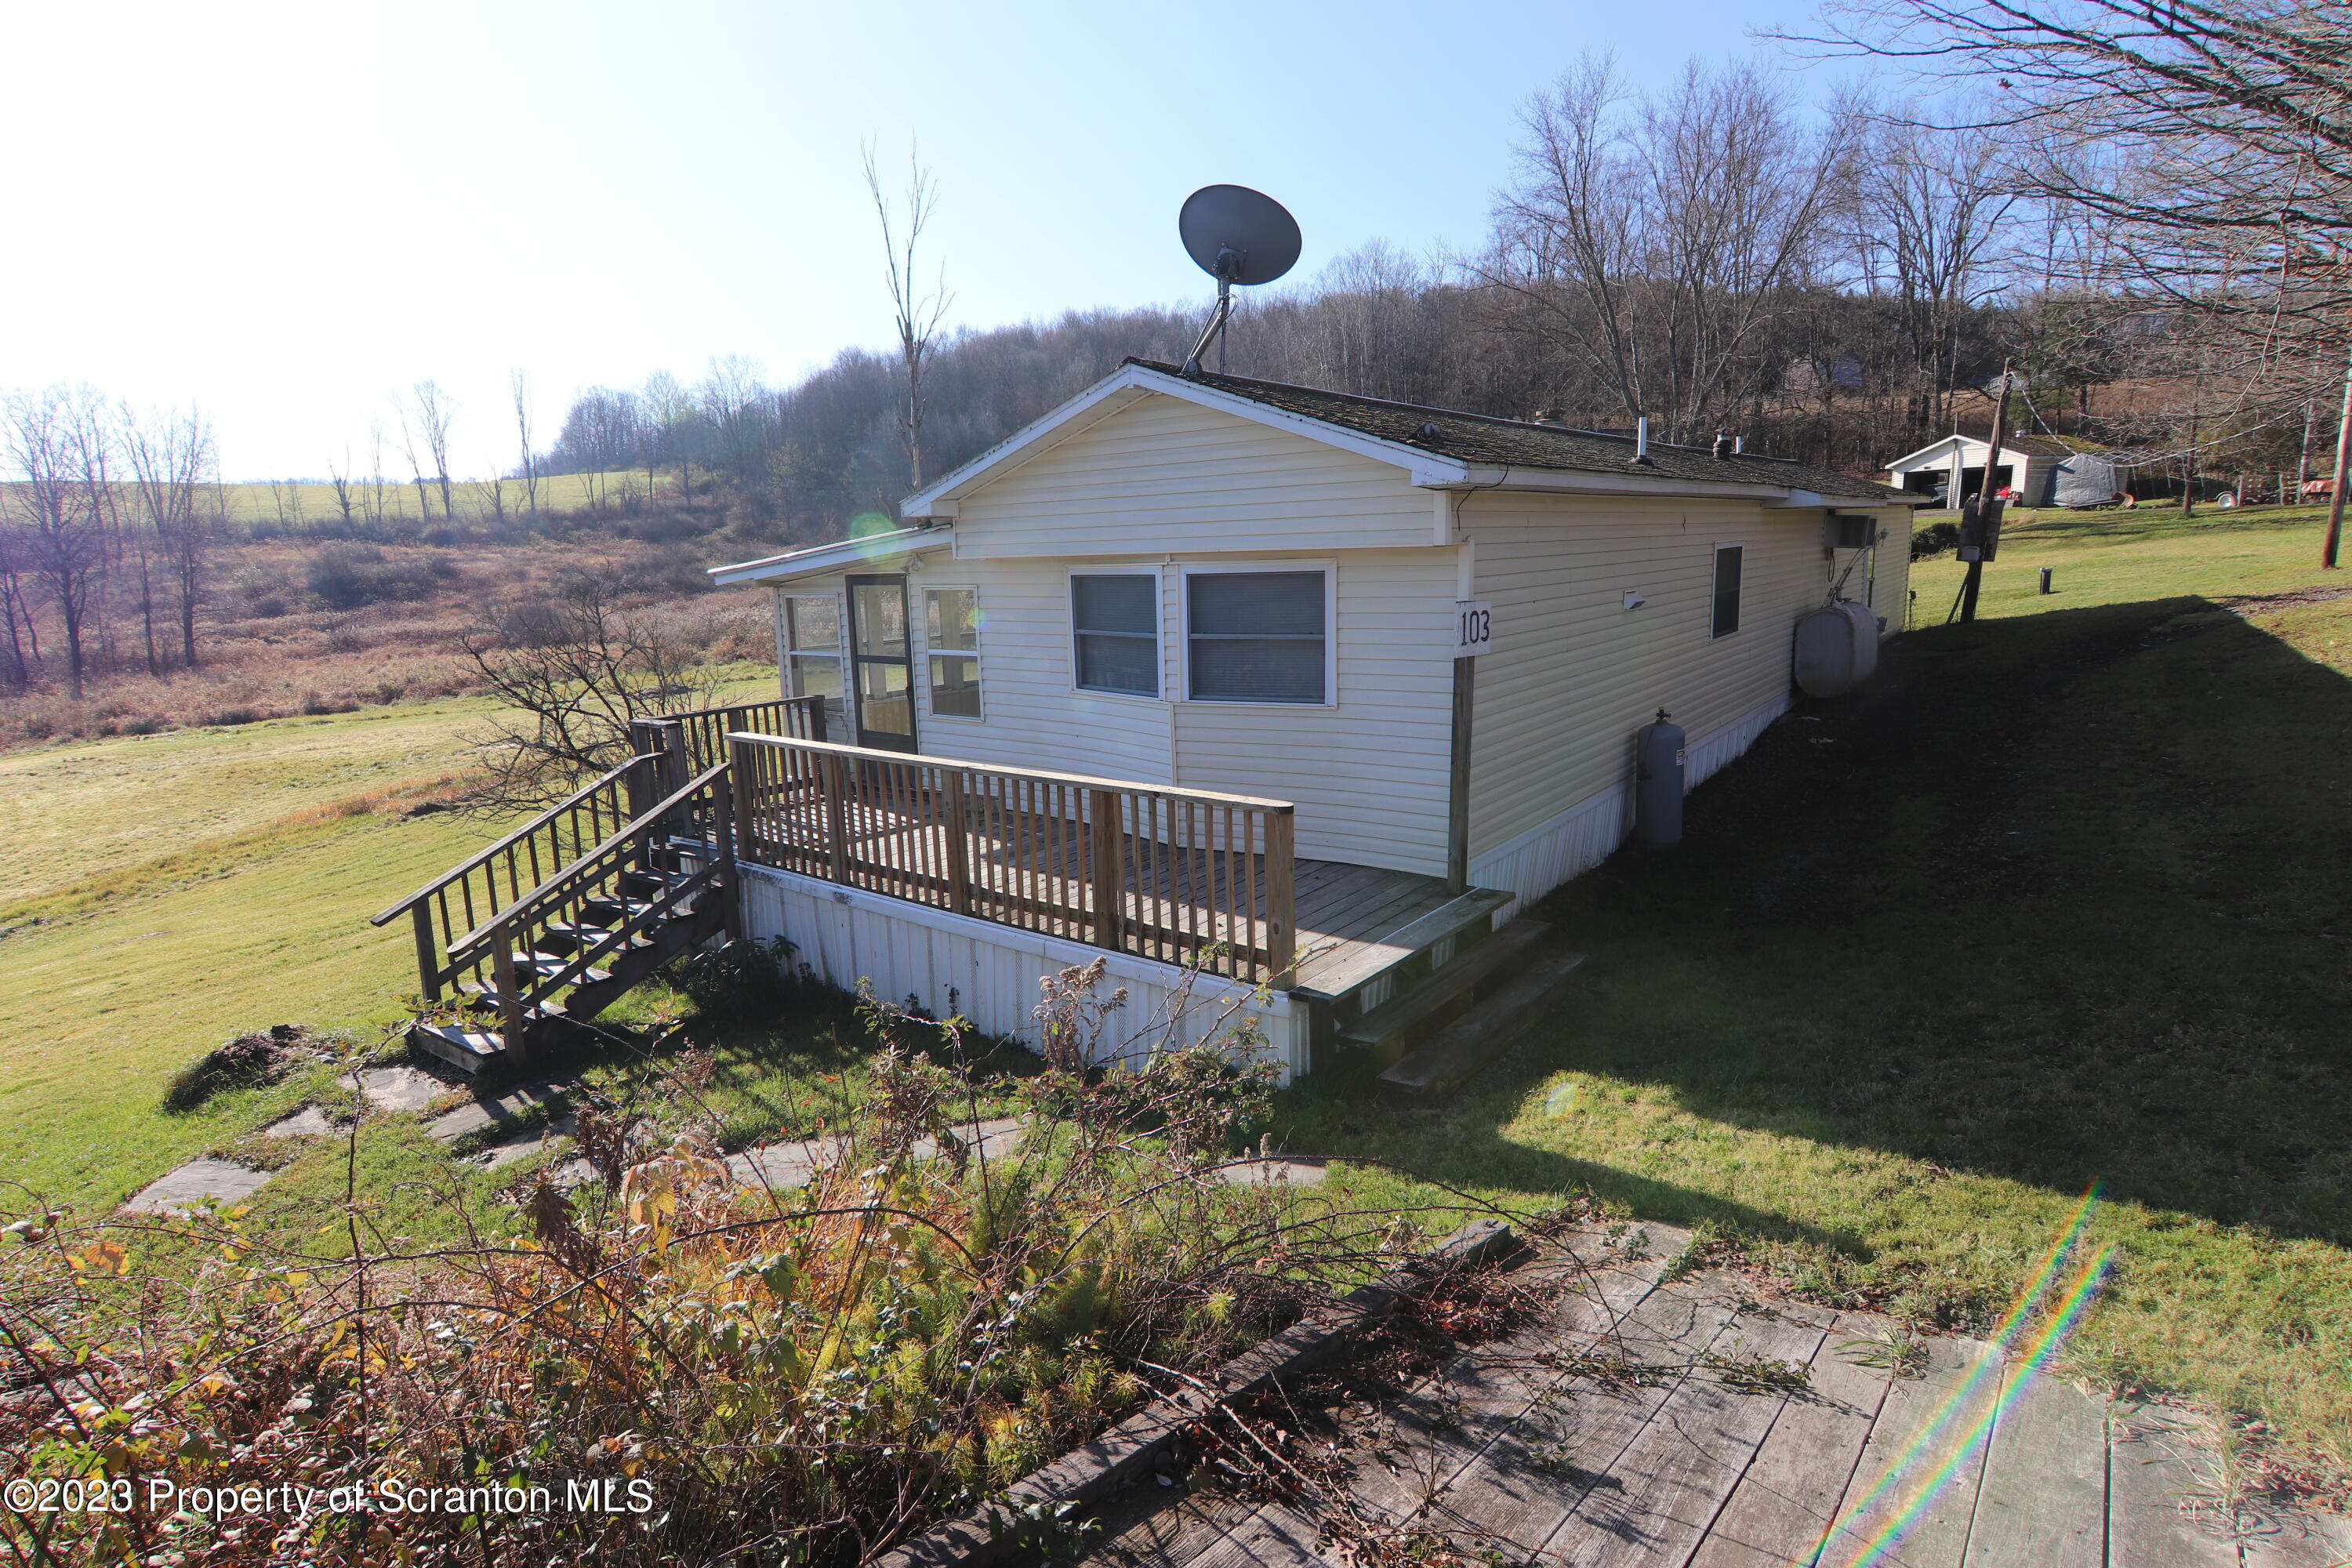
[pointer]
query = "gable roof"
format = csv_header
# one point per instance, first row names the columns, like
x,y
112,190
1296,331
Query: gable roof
x,y
1463,450
2025,445
1490,441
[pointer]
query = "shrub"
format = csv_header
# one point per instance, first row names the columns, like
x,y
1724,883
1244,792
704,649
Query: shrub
x,y
347,578
738,979
1934,539
231,716
784,1376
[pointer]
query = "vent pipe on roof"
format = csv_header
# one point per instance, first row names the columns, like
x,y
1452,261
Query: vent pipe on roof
x,y
1722,448
1738,445
1641,439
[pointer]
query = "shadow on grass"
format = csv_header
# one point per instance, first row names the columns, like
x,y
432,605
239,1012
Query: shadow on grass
x,y
2057,899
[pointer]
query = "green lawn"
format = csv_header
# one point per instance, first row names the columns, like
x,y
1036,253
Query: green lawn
x,y
191,886
2063,898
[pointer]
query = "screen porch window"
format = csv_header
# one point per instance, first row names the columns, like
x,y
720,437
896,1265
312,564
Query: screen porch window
x,y
1727,559
813,637
951,637
1115,622
1256,637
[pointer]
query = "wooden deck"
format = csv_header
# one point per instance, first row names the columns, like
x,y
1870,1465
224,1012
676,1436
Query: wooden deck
x,y
1648,1424
1179,876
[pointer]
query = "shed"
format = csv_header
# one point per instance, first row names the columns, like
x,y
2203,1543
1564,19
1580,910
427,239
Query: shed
x,y
2031,465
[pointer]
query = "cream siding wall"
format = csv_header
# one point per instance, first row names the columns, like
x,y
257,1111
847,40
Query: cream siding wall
x,y
1573,673
951,963
1369,775
1164,472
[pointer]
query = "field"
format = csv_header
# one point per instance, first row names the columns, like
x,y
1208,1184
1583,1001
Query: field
x,y
297,503
159,893
2059,901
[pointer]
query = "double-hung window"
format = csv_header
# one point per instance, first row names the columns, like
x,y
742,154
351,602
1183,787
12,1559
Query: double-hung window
x,y
1257,637
1115,631
951,639
1728,561
813,641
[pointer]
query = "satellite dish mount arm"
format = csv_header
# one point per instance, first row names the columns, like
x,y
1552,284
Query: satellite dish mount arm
x,y
1229,262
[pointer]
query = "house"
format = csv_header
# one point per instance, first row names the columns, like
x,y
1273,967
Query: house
x,y
1281,703
2043,470
1217,598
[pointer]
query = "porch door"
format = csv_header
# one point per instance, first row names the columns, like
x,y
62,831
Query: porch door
x,y
881,664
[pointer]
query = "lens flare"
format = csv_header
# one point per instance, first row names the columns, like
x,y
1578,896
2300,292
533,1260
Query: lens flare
x,y
1929,1464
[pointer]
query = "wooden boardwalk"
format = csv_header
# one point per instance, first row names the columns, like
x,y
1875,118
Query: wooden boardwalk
x,y
1644,1423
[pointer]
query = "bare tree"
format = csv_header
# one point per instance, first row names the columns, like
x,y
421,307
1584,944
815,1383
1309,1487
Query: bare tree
x,y
574,671
519,385
2212,137
435,410
409,426
918,312
339,480
1650,244
59,530
171,464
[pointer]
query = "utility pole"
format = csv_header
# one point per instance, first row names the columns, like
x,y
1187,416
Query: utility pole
x,y
1981,518
2343,461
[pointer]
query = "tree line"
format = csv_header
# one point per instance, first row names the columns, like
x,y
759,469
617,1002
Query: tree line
x,y
2164,273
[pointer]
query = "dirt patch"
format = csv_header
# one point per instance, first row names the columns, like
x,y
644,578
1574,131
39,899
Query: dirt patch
x,y
243,1062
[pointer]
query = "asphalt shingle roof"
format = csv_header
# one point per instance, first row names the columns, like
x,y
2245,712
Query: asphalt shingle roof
x,y
1523,444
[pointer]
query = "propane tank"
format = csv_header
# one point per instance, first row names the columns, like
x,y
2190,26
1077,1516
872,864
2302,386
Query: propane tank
x,y
1658,783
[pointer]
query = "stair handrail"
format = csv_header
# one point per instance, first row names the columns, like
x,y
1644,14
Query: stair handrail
x,y
554,881
482,856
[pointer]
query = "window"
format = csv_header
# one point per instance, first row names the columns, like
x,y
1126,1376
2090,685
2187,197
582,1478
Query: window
x,y
952,633
813,634
1727,589
1256,637
1115,619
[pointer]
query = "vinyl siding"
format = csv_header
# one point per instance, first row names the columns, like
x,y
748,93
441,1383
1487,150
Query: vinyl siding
x,y
1369,775
1164,474
1573,673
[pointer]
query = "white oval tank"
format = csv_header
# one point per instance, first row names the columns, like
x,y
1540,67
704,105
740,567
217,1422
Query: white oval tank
x,y
1837,649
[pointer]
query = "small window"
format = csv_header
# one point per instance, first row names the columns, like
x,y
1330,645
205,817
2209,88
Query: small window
x,y
813,634
951,635
1727,589
1115,617
1255,636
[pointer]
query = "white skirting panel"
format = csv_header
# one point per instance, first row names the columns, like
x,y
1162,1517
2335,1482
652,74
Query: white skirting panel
x,y
991,973
1589,832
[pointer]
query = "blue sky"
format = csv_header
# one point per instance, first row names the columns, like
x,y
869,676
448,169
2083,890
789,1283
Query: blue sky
x,y
284,213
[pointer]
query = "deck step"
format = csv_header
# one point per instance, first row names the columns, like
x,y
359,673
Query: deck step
x,y
1467,1044
1447,988
468,1050
1330,981
614,910
546,965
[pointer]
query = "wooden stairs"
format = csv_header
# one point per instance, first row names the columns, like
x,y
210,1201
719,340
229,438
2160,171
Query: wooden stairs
x,y
533,937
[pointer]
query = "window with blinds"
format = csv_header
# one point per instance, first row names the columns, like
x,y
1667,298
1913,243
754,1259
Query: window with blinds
x,y
1115,625
1728,561
1256,637
951,641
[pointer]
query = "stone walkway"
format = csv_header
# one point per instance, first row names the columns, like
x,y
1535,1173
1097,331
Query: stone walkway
x,y
185,1189
1649,1423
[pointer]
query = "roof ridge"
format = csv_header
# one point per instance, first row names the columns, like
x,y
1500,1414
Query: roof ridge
x,y
1213,377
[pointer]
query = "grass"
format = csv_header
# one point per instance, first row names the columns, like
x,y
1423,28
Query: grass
x,y
161,893
314,501
2060,899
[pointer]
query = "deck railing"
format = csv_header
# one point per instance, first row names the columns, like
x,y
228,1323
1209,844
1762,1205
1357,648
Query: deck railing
x,y
464,898
1184,876
705,731
594,910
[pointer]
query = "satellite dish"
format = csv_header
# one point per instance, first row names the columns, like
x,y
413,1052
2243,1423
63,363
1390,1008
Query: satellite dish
x,y
1236,235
